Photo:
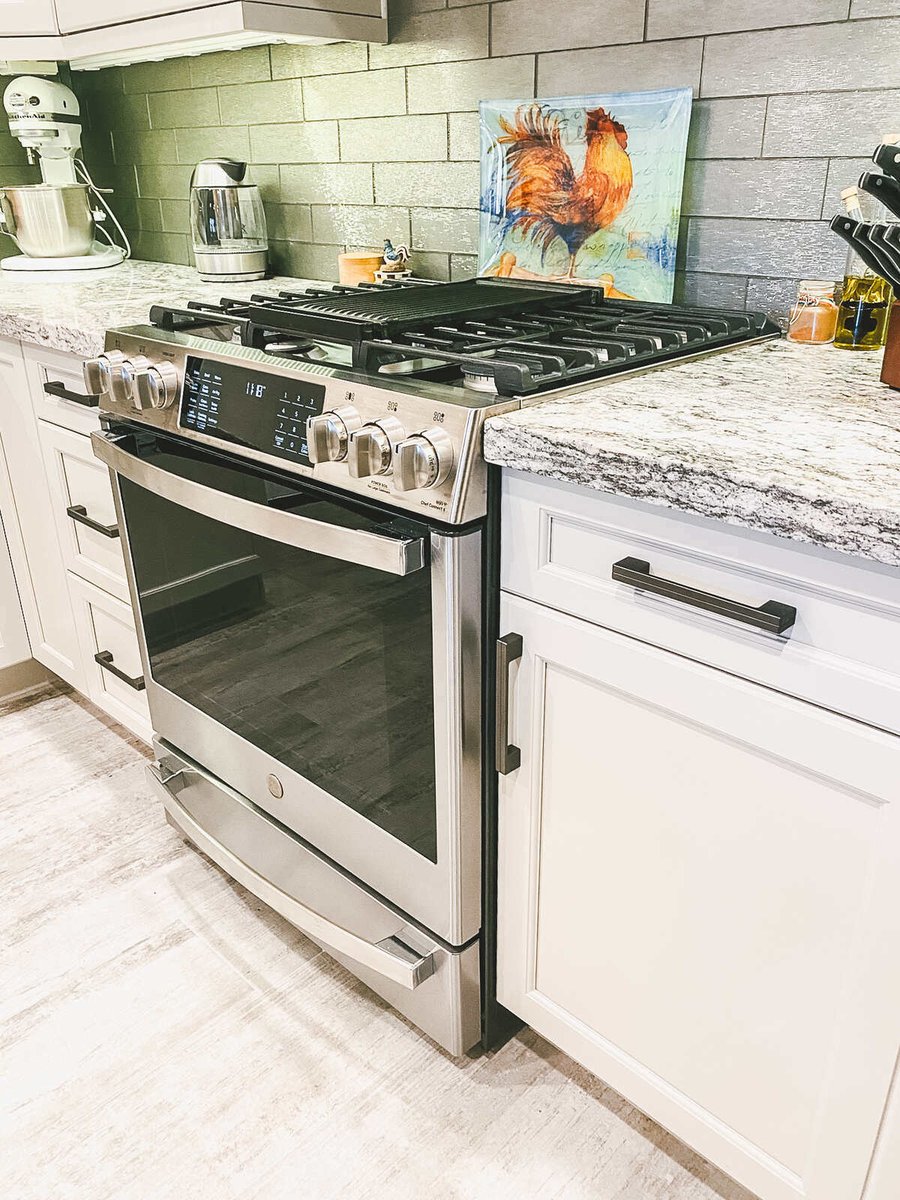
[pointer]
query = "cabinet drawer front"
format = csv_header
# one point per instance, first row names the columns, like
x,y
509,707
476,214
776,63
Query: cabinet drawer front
x,y
84,509
55,379
560,545
699,899
106,628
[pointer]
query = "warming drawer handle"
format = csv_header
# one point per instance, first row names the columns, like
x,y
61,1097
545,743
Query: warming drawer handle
x,y
79,513
104,659
390,957
771,617
509,648
61,392
397,555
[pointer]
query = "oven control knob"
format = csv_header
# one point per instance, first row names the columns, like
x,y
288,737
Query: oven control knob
x,y
98,372
155,386
423,461
122,378
328,436
371,448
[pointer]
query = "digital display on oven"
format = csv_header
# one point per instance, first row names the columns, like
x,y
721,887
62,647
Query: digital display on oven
x,y
249,407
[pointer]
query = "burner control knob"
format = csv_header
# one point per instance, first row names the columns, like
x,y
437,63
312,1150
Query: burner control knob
x,y
122,378
371,448
423,461
328,436
155,386
98,372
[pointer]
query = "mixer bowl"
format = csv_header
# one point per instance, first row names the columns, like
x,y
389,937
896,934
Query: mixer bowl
x,y
48,221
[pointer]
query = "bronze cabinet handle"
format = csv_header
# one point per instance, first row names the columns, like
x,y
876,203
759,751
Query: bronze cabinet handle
x,y
61,392
509,648
771,617
79,513
105,660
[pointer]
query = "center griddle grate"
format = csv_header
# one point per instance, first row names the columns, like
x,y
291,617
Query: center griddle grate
x,y
362,315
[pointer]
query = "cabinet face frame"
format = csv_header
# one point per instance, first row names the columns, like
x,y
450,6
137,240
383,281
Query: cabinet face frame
x,y
14,645
31,530
862,1043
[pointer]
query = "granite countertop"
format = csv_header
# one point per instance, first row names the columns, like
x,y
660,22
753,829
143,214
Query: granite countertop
x,y
797,441
73,309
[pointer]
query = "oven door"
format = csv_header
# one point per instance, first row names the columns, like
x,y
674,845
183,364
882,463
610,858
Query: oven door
x,y
319,655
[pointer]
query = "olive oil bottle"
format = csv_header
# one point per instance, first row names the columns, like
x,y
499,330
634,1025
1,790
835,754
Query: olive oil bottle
x,y
864,303
863,309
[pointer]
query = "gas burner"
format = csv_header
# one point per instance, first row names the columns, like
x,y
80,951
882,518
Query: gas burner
x,y
495,336
477,381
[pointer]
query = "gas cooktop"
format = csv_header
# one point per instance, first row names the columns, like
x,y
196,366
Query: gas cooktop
x,y
383,392
502,337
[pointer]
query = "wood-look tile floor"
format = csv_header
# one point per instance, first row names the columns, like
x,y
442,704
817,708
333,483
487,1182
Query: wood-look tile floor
x,y
166,1037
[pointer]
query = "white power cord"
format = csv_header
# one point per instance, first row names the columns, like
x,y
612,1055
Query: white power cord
x,y
82,170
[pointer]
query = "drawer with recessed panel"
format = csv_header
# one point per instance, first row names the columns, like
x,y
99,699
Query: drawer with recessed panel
x,y
802,620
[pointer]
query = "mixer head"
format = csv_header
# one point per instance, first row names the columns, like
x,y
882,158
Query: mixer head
x,y
45,117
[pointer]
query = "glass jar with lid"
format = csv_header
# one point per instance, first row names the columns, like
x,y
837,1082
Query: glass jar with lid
x,y
813,318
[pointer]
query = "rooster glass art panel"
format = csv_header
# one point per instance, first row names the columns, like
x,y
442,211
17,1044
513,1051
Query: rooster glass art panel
x,y
585,189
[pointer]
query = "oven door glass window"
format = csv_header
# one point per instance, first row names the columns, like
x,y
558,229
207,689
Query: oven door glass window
x,y
322,663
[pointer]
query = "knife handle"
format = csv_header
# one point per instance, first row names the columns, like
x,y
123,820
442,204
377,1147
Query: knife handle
x,y
883,188
847,229
883,248
887,156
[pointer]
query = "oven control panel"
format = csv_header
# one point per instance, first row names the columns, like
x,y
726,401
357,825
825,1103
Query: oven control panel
x,y
415,450
249,407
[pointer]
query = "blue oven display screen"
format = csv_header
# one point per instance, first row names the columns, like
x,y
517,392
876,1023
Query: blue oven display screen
x,y
248,407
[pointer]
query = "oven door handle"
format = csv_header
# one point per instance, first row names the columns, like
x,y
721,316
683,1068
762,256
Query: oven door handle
x,y
398,555
390,957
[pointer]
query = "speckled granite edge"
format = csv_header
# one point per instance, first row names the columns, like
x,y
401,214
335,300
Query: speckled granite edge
x,y
81,341
860,530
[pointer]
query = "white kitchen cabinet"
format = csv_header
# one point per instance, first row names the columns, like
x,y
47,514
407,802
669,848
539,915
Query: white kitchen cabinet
x,y
31,526
84,509
58,391
699,900
18,17
93,14
102,33
14,645
112,656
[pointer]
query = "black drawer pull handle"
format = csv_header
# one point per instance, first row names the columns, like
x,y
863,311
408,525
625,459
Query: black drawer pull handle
x,y
105,659
509,648
770,617
61,392
79,513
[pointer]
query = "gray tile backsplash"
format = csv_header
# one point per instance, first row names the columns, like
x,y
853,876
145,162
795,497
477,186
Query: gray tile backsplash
x,y
352,143
638,67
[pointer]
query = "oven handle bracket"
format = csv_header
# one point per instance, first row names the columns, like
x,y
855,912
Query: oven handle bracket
x,y
397,555
391,957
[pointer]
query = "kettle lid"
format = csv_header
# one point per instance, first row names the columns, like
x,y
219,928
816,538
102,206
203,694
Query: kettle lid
x,y
219,173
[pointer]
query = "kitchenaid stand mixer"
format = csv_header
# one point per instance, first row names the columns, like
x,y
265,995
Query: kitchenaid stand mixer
x,y
54,223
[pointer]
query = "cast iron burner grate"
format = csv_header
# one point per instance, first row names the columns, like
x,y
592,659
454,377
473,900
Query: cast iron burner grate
x,y
497,336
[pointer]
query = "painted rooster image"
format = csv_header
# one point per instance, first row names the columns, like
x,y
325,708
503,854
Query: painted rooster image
x,y
546,200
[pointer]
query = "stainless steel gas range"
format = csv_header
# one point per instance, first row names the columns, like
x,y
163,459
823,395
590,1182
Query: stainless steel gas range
x,y
311,543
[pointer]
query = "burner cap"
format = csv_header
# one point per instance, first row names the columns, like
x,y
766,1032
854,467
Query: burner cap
x,y
476,382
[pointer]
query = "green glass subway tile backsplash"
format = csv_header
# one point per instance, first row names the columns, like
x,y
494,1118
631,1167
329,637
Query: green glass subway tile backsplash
x,y
353,143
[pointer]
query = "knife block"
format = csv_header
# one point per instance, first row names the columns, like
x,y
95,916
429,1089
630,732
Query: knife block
x,y
890,368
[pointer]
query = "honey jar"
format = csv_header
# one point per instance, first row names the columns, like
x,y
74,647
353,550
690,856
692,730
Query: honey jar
x,y
813,317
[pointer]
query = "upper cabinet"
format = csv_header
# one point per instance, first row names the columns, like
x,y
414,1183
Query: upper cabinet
x,y
27,17
101,33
